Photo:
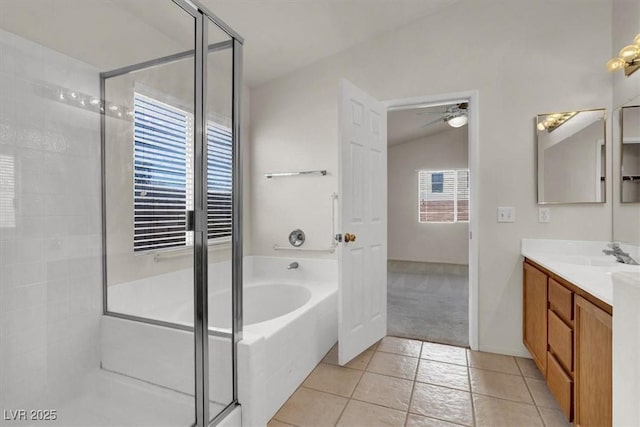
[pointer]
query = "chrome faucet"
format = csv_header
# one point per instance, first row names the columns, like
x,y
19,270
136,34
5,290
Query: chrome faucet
x,y
293,265
621,256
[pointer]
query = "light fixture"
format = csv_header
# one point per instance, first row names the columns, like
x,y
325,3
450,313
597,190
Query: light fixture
x,y
628,58
94,101
458,121
553,121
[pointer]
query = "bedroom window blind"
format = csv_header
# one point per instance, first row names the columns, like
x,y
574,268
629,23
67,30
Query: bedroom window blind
x,y
443,196
163,176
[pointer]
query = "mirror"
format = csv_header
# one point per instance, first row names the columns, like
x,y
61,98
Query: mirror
x,y
571,149
630,166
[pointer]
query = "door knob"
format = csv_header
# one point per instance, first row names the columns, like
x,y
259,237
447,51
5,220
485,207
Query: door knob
x,y
348,237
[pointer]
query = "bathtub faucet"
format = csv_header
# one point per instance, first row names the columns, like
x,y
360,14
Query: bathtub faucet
x,y
292,265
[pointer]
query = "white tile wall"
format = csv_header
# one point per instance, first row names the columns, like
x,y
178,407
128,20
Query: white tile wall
x,y
50,272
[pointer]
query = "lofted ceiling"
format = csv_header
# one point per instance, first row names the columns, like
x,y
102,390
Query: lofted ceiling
x,y
280,35
408,125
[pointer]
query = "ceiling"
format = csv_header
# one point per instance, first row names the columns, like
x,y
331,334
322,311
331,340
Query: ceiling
x,y
408,125
280,35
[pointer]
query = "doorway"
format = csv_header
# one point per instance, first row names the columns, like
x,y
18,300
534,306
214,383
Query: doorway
x,y
432,156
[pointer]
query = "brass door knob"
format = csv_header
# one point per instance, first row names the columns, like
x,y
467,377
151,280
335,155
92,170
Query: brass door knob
x,y
348,237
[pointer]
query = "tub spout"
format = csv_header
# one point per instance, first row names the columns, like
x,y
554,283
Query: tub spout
x,y
292,265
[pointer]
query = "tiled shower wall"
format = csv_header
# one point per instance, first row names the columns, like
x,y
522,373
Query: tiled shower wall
x,y
50,272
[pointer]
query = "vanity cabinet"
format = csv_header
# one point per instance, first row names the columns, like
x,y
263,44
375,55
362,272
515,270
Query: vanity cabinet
x,y
568,333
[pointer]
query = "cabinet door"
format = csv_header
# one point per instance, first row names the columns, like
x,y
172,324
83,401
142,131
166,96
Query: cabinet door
x,y
592,365
535,315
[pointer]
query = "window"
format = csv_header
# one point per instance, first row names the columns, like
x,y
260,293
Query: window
x,y
443,196
163,176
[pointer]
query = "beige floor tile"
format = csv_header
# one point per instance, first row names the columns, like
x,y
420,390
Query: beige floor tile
x,y
311,408
395,365
362,414
414,420
403,346
528,368
333,379
541,394
492,412
382,390
442,403
359,362
497,384
276,423
444,374
444,353
493,362
554,418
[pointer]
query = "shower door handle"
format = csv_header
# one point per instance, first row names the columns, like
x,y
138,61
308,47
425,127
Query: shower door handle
x,y
191,220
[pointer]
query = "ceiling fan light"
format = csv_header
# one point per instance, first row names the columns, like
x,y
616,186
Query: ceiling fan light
x,y
629,53
458,121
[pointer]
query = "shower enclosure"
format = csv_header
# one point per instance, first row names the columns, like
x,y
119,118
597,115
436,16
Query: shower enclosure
x,y
120,205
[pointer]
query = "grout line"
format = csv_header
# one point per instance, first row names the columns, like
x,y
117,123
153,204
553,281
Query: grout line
x,y
413,385
357,384
473,406
533,399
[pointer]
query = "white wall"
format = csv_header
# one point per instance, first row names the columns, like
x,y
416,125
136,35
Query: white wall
x,y
50,280
626,91
515,54
408,239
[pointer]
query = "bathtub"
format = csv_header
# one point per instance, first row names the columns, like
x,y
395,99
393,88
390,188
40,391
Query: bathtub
x,y
290,323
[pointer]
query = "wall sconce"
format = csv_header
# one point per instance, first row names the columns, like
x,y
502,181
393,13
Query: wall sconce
x,y
628,58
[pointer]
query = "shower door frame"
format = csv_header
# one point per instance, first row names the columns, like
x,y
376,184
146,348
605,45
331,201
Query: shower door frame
x,y
202,17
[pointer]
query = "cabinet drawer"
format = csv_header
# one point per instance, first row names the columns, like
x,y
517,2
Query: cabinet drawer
x,y
560,340
561,300
560,385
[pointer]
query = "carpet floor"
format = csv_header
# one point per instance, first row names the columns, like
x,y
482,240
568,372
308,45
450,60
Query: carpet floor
x,y
428,302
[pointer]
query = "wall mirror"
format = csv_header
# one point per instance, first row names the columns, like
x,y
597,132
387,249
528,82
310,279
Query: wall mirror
x,y
630,160
571,148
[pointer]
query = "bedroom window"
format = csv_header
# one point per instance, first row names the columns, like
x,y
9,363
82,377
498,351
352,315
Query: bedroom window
x,y
163,176
443,196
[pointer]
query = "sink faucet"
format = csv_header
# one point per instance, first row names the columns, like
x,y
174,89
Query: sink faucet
x,y
620,255
293,265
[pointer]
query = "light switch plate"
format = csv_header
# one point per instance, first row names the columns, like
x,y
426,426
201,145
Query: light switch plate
x,y
544,215
506,214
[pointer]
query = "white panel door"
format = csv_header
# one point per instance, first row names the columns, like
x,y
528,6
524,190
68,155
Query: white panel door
x,y
362,294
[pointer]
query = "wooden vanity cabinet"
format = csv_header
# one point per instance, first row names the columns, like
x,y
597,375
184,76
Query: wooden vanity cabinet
x,y
534,329
568,333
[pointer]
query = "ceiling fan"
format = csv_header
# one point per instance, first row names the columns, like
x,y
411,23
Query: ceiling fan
x,y
455,115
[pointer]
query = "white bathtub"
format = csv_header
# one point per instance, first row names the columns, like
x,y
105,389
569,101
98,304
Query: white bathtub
x,y
290,322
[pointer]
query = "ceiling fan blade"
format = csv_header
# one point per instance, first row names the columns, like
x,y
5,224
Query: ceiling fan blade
x,y
439,119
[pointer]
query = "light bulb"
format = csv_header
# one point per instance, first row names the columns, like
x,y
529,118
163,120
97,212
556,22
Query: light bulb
x,y
113,108
458,121
615,64
629,53
541,126
94,101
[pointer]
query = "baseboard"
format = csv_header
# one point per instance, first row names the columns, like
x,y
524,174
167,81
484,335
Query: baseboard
x,y
506,351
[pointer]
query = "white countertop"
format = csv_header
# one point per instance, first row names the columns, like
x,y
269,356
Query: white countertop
x,y
582,263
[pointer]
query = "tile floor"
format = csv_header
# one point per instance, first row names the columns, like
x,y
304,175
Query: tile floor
x,y
402,382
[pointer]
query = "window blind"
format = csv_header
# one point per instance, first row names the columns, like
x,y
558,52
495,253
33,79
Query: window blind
x,y
163,176
219,181
443,196
7,191
162,170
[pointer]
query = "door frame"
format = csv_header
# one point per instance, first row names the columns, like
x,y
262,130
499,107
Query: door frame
x,y
473,141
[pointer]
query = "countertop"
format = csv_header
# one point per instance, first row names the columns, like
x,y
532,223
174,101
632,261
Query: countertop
x,y
582,263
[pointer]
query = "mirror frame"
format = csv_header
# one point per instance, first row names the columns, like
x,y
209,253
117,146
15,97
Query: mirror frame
x,y
621,172
537,161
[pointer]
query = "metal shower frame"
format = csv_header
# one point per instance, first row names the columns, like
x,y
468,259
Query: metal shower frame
x,y
200,247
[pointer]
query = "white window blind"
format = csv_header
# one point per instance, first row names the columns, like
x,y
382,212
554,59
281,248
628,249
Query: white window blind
x,y
443,196
163,176
7,191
